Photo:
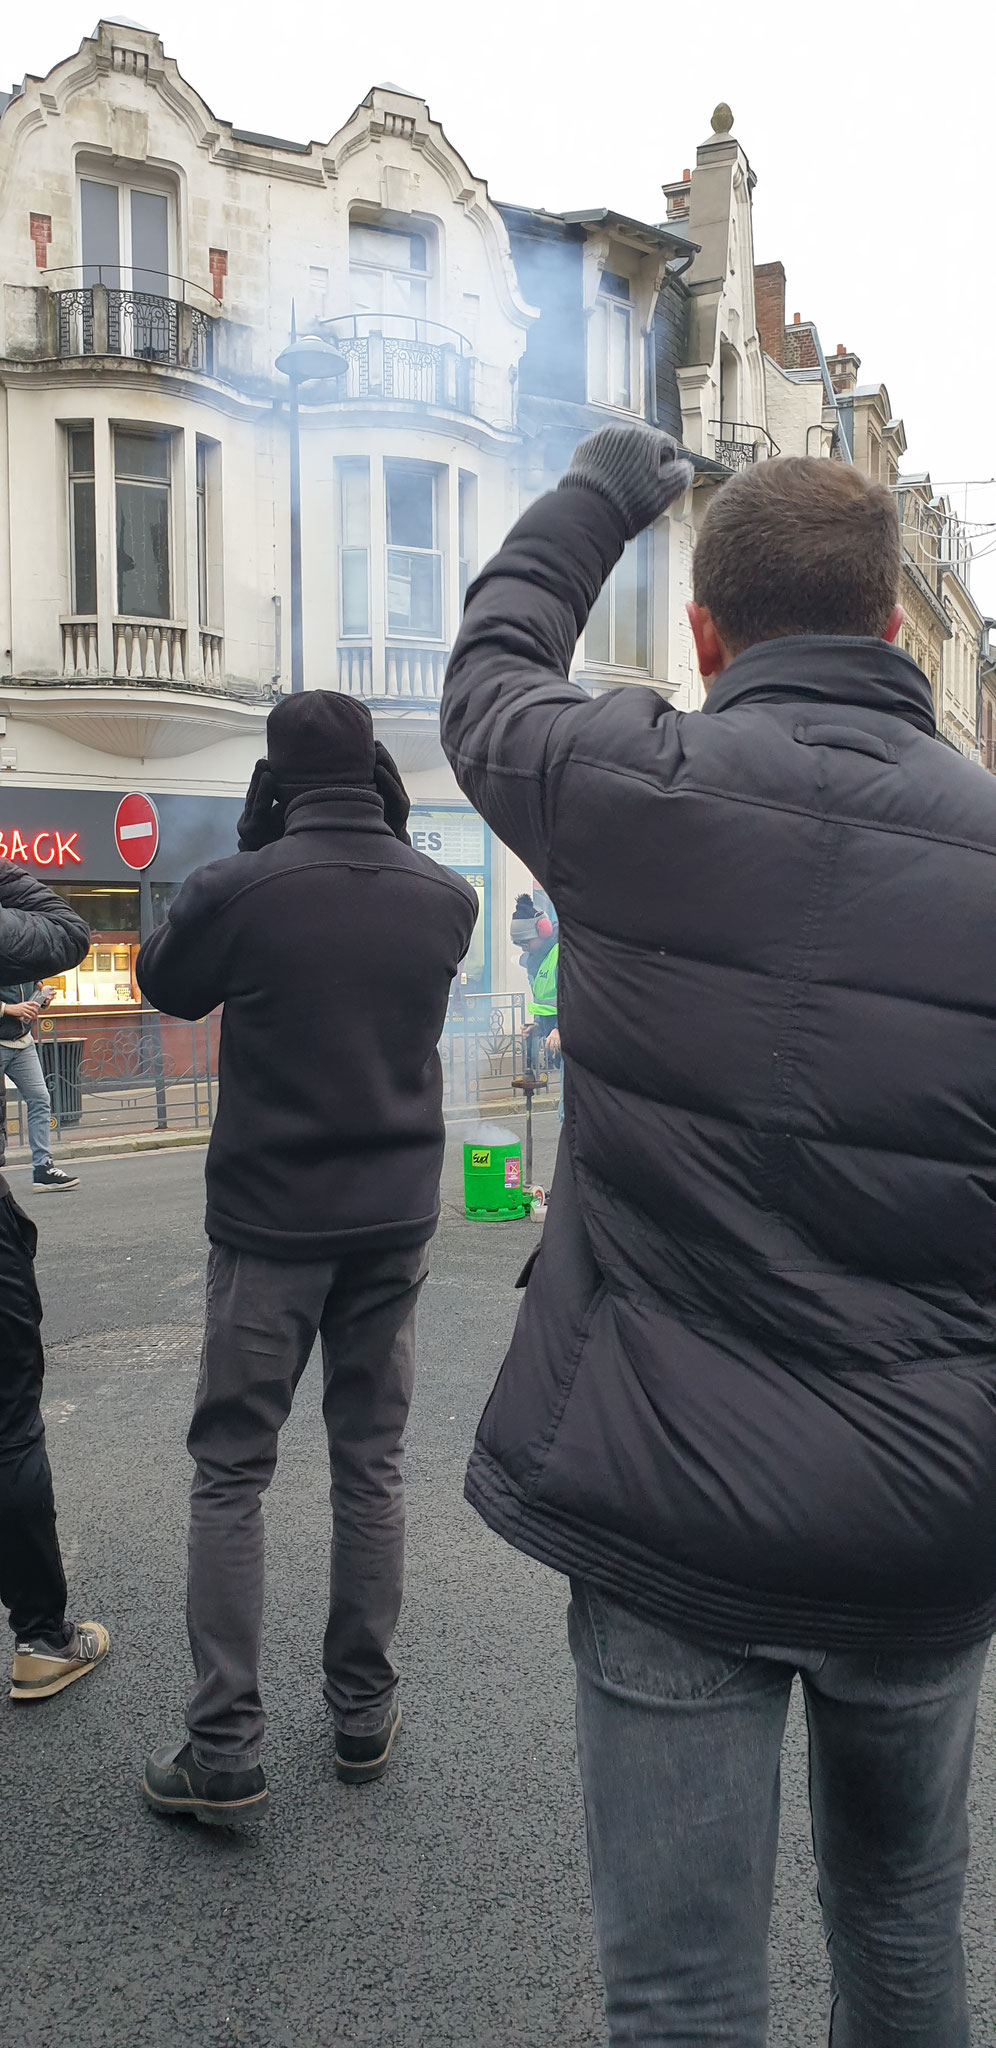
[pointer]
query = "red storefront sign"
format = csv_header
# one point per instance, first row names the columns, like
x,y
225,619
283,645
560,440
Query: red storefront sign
x,y
136,830
42,849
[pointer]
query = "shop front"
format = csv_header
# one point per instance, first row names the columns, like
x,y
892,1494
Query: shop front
x,y
67,839
456,837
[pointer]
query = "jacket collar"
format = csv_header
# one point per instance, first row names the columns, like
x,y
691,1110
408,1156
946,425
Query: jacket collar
x,y
836,670
338,809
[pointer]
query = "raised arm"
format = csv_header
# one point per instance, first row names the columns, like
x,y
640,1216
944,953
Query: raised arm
x,y
509,711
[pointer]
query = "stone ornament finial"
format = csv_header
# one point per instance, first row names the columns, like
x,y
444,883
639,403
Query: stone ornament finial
x,y
722,119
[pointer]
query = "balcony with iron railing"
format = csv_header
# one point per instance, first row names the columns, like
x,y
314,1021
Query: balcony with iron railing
x,y
397,357
739,443
97,314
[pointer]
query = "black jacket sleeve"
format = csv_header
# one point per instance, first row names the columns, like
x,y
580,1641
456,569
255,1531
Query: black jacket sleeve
x,y
184,968
508,710
39,933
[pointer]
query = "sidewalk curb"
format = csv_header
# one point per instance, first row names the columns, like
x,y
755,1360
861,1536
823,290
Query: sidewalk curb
x,y
114,1148
173,1141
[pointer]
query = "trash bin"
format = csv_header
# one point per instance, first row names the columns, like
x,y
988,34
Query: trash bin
x,y
62,1066
492,1175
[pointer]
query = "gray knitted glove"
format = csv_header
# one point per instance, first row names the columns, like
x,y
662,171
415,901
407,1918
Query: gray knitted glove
x,y
638,469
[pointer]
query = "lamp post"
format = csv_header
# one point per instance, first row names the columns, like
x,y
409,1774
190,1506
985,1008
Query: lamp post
x,y
301,362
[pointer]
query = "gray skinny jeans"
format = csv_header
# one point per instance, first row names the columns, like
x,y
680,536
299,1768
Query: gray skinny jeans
x,y
263,1316
679,1748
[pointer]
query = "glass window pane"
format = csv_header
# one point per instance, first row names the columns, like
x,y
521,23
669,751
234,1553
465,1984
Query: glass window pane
x,y
150,242
84,548
99,221
141,455
81,451
366,290
467,512
354,504
414,594
391,247
613,286
143,550
411,496
355,588
596,632
630,648
598,352
405,295
619,345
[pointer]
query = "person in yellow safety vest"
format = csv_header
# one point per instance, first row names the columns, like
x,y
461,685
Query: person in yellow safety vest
x,y
535,933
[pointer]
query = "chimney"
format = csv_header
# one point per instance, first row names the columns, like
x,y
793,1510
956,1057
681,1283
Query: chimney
x,y
678,197
843,368
769,301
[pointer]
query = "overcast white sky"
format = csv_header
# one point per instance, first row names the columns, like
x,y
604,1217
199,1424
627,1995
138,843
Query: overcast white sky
x,y
869,128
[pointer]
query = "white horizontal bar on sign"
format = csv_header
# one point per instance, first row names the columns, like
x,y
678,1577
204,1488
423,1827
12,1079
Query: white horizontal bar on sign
x,y
136,831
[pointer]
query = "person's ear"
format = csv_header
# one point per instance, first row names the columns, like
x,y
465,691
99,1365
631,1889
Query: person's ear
x,y
712,656
893,623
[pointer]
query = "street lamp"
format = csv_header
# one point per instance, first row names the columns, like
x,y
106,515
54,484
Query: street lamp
x,y
301,362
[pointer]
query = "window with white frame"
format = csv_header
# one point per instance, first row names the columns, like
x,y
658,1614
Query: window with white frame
x,y
127,233
207,460
142,466
414,556
353,479
388,270
467,488
617,634
82,521
610,343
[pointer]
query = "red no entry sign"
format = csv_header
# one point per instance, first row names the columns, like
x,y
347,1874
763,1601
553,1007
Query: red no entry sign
x,y
136,831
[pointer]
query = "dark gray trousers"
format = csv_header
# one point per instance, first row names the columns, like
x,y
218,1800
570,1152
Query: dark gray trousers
x,y
263,1316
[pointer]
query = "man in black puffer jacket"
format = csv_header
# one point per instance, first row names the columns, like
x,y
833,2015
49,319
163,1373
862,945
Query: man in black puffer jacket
x,y
750,1404
332,945
39,935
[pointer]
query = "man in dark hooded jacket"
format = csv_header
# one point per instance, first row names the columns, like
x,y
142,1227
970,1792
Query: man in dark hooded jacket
x,y
39,935
332,945
750,1404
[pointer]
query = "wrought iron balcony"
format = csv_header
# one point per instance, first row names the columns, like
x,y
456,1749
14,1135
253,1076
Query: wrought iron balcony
x,y
102,317
739,443
395,356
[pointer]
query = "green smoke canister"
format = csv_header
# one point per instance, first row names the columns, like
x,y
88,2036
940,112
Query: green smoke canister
x,y
492,1175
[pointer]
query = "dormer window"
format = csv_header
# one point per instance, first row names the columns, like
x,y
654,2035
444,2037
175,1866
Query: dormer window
x,y
388,270
609,343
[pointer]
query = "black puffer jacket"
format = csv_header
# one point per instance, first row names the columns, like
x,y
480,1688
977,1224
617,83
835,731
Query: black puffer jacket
x,y
39,935
752,1390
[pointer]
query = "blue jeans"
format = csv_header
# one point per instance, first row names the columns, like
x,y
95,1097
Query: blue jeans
x,y
22,1065
679,1748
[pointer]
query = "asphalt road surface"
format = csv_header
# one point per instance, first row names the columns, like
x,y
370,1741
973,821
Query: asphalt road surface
x,y
445,1907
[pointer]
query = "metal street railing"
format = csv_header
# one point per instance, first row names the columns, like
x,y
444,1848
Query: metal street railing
x,y
112,1076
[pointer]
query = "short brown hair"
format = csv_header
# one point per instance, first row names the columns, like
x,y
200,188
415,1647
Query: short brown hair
x,y
798,546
